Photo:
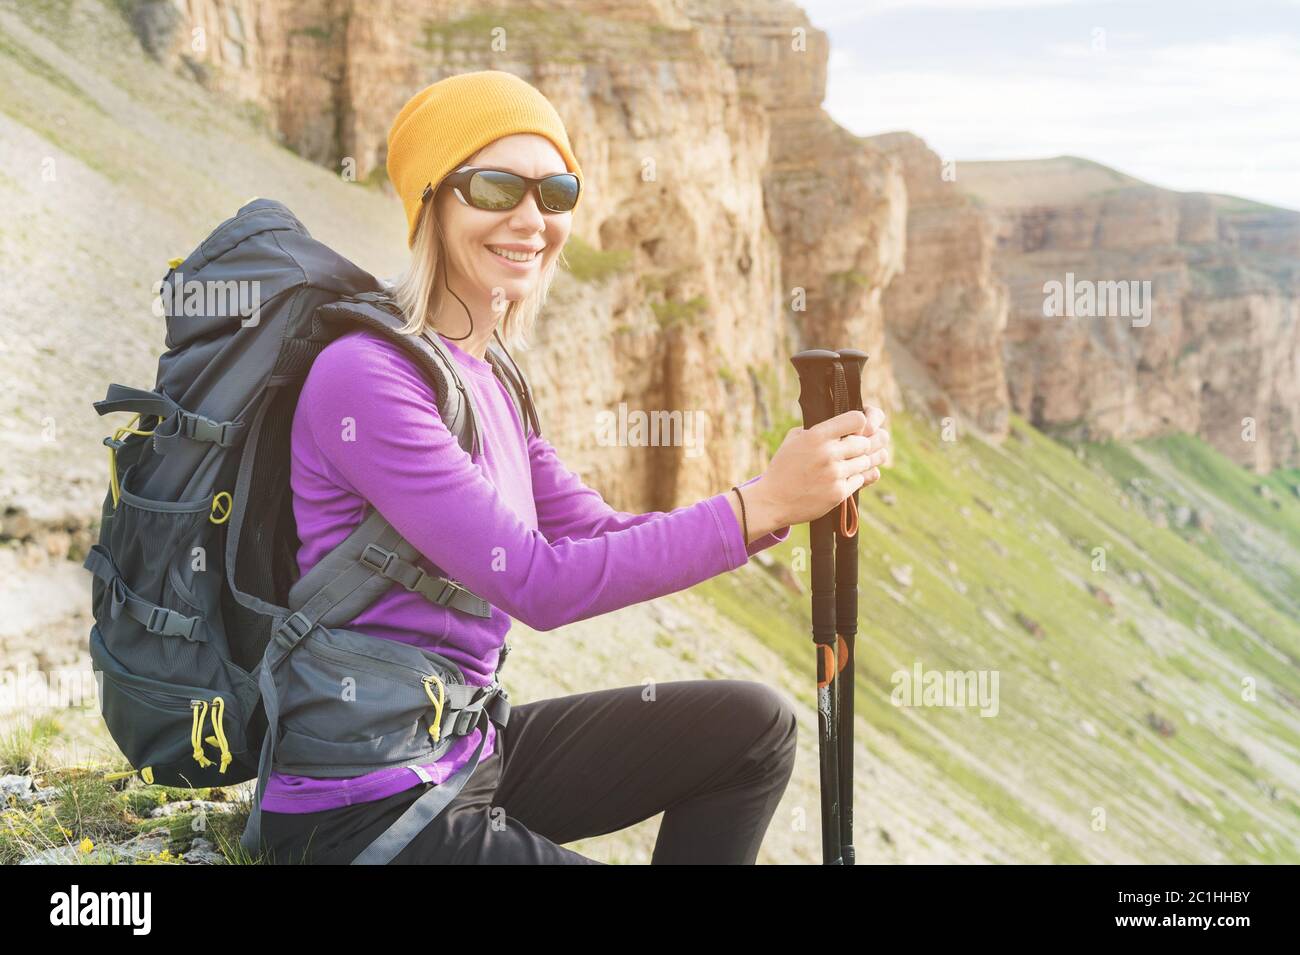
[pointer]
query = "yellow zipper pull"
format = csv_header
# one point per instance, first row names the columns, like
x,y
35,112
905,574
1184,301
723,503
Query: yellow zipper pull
x,y
436,729
200,708
218,716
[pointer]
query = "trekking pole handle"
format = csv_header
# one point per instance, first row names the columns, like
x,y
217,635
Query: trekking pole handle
x,y
814,368
853,361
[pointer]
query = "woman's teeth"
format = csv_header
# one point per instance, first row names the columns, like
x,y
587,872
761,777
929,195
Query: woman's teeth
x,y
514,256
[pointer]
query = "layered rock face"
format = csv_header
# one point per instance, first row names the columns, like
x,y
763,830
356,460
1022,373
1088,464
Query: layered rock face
x,y
836,203
1214,351
948,308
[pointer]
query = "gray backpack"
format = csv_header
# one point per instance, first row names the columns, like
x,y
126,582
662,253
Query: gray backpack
x,y
215,662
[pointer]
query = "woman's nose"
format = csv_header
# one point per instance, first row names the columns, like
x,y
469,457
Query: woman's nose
x,y
528,214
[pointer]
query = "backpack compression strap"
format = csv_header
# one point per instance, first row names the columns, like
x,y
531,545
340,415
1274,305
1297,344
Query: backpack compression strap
x,y
195,427
155,618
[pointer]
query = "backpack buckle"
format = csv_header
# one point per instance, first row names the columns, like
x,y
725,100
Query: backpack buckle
x,y
298,625
200,428
497,705
491,699
449,590
169,623
382,561
466,720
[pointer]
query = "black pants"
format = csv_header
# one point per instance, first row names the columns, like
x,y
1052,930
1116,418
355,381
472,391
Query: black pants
x,y
713,755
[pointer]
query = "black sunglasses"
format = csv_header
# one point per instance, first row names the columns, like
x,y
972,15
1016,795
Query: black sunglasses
x,y
497,190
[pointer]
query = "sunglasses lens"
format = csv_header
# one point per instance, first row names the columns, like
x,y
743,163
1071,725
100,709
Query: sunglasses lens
x,y
494,190
497,191
560,193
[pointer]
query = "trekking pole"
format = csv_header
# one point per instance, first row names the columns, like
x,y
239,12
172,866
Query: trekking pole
x,y
846,613
816,370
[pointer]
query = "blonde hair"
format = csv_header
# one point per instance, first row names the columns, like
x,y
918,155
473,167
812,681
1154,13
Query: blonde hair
x,y
420,289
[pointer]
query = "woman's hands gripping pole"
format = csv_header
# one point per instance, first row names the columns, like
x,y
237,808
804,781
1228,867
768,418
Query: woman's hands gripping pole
x,y
815,469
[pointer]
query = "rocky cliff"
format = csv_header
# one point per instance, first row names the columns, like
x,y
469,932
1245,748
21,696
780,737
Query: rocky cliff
x,y
948,308
1216,349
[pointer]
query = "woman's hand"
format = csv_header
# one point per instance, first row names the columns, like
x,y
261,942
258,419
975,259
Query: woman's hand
x,y
816,468
882,445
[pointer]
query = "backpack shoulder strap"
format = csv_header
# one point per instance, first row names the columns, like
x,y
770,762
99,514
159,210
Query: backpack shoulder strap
x,y
378,313
381,556
516,385
375,556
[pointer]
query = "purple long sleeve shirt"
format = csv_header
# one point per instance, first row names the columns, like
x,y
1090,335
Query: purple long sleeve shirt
x,y
511,523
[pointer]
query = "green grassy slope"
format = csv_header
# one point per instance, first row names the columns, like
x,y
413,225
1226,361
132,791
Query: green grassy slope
x,y
1142,631
111,166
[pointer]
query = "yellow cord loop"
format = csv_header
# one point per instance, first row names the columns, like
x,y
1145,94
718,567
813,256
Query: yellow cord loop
x,y
436,729
200,708
112,456
221,509
219,740
146,774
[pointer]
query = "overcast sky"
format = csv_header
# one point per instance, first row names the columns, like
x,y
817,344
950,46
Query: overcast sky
x,y
1188,95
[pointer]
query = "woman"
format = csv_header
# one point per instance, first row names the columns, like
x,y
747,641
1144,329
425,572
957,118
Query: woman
x,y
521,531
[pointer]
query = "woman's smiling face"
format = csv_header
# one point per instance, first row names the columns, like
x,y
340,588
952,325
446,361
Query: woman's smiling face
x,y
471,234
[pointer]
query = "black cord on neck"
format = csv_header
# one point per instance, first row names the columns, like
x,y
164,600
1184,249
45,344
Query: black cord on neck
x,y
528,398
462,305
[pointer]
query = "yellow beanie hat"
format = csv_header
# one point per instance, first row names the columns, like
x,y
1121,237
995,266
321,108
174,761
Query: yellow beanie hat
x,y
445,123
